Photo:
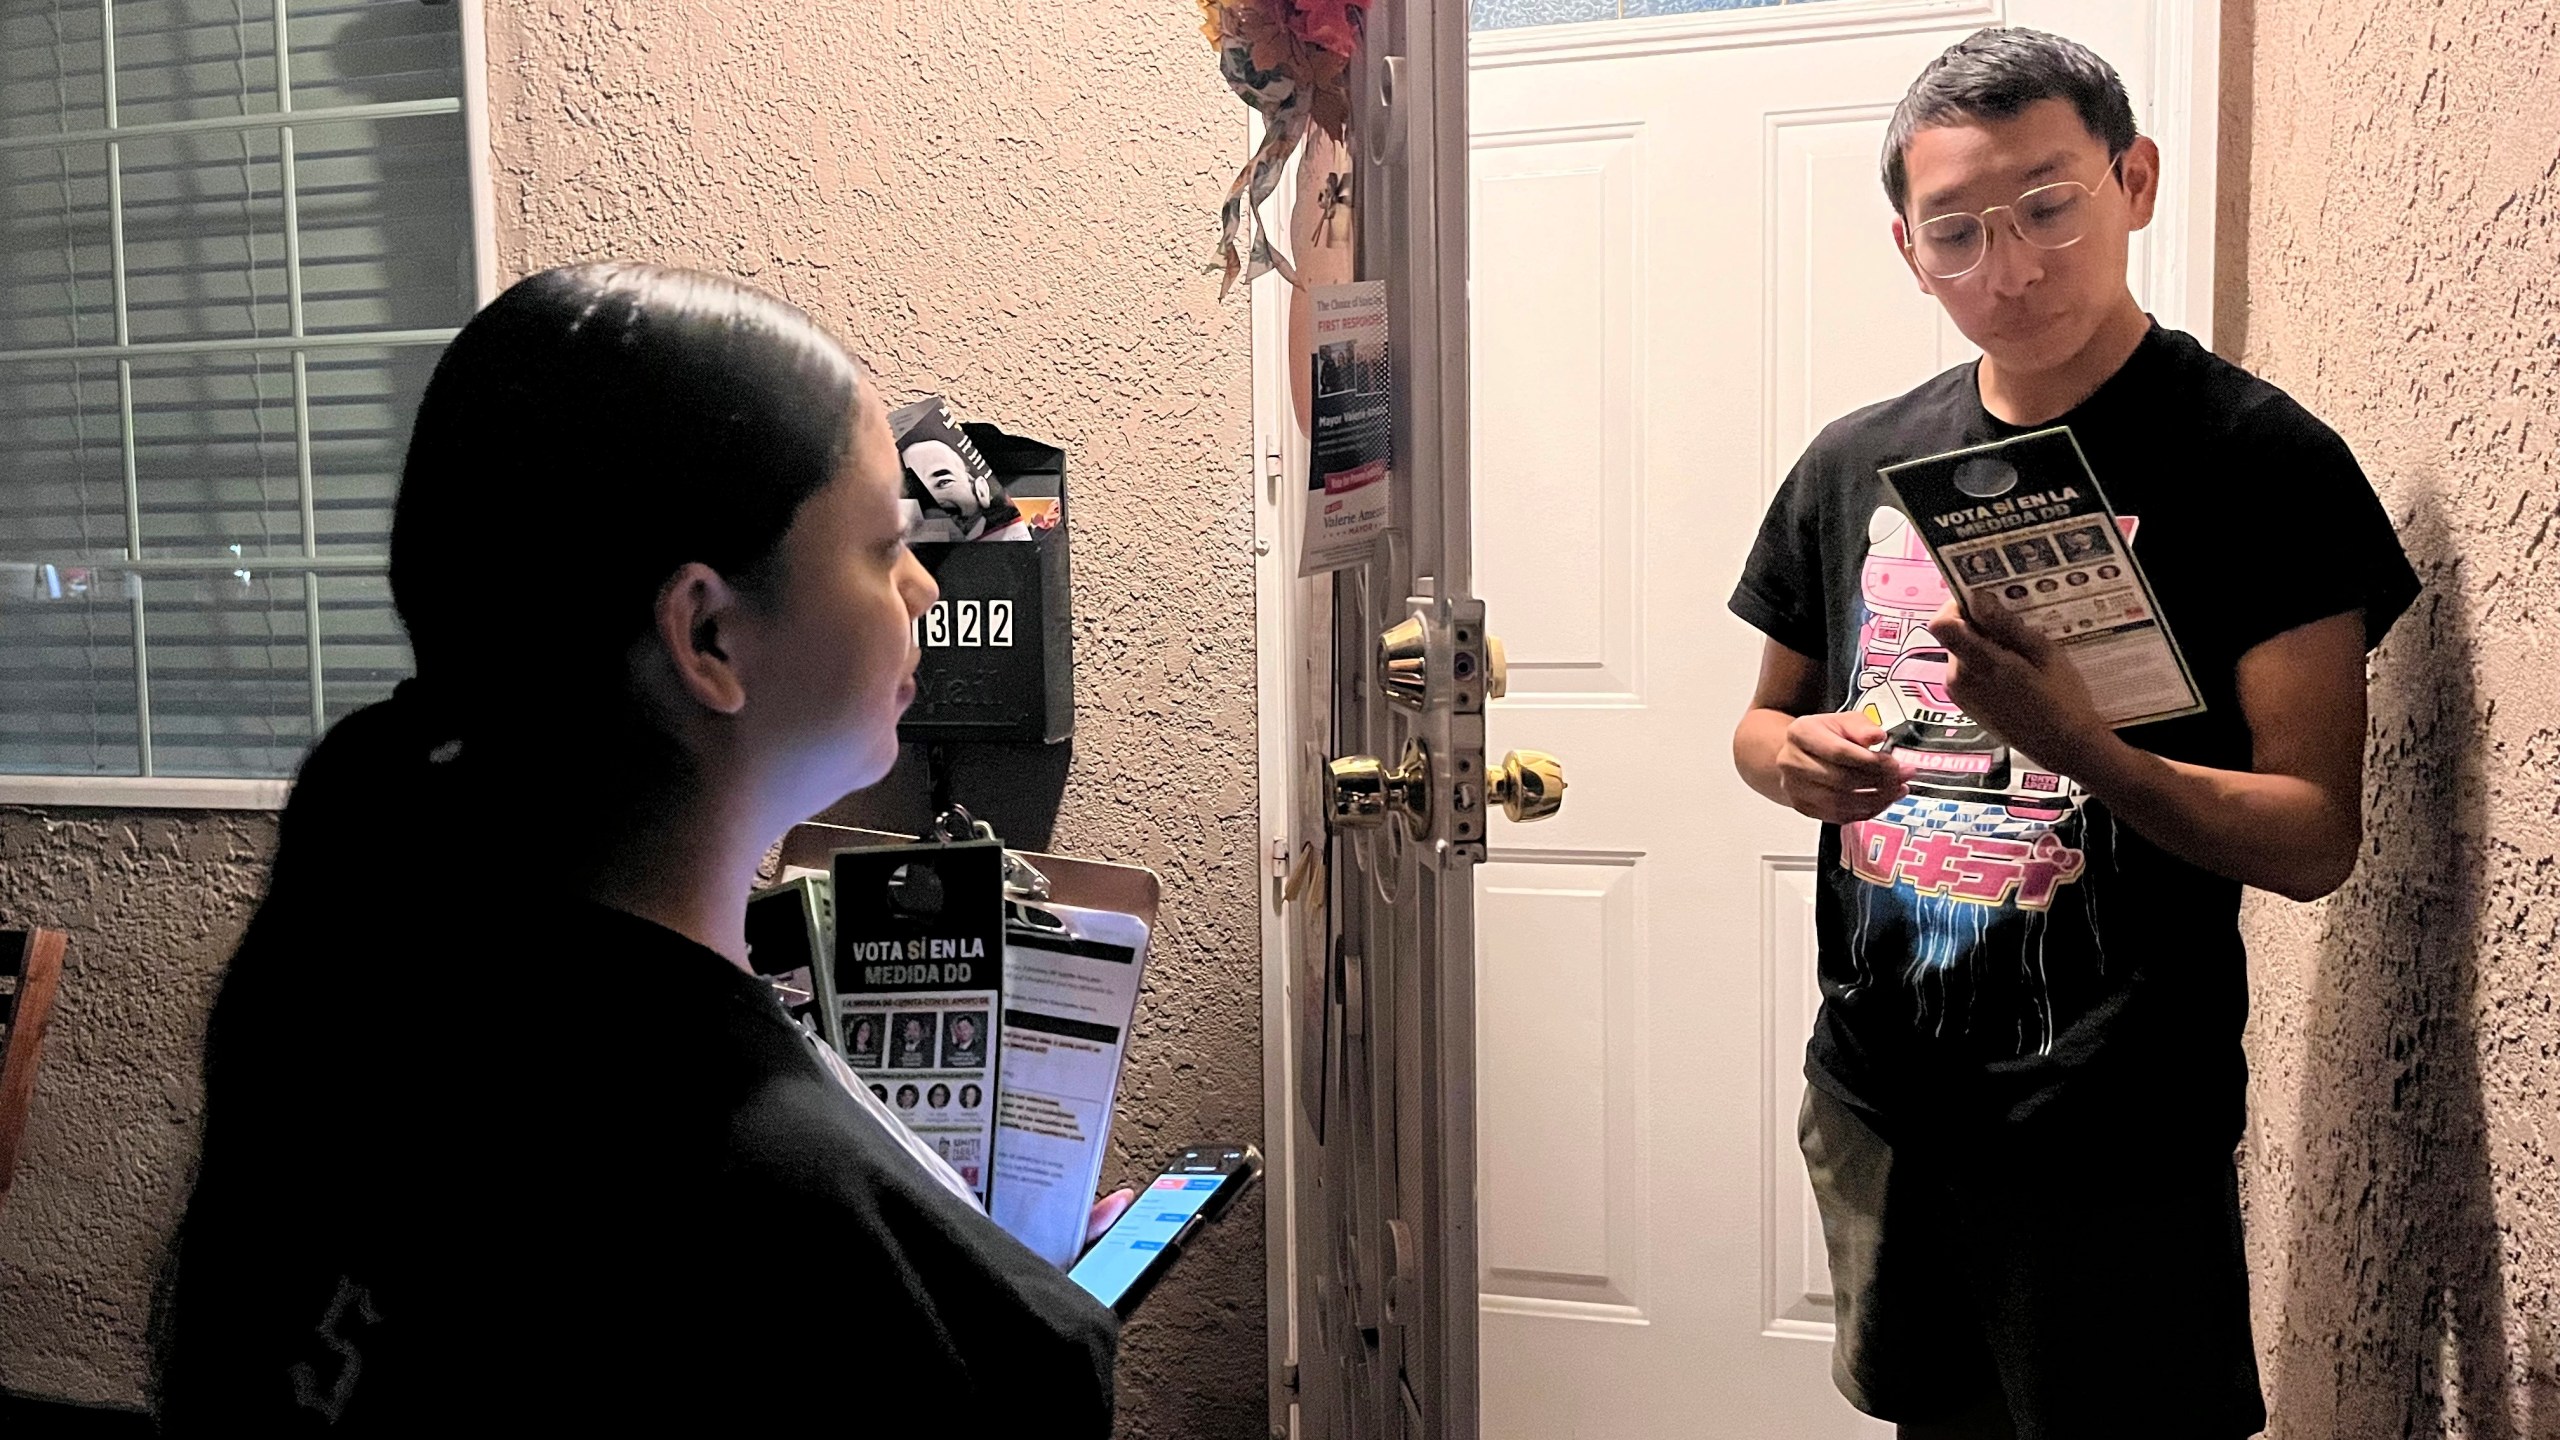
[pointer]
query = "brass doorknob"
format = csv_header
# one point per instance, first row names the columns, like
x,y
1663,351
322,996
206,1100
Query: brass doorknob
x,y
1361,792
1528,785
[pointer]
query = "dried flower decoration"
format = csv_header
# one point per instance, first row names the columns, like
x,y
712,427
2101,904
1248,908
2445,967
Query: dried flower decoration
x,y
1291,61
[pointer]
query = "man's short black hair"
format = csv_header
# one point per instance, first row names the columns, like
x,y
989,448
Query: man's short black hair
x,y
1993,74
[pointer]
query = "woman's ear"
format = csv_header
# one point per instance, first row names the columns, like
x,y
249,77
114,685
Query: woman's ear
x,y
699,625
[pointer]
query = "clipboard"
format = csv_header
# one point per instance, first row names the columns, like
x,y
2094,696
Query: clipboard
x,y
1074,975
1064,1034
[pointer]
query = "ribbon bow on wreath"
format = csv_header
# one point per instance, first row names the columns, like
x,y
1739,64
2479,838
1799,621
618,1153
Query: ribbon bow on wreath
x,y
1291,61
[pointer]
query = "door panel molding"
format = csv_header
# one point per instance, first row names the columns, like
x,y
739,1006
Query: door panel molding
x,y
1815,159
1562,974
2182,115
1580,356
1795,1269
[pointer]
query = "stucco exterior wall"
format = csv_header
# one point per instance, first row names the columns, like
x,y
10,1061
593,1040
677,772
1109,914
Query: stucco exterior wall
x,y
2391,255
1006,201
153,904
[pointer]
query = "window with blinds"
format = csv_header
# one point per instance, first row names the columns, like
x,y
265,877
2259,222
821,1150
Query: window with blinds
x,y
235,236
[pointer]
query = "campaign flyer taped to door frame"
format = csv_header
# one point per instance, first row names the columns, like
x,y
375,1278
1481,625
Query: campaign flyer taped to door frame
x,y
1350,428
919,980
2022,525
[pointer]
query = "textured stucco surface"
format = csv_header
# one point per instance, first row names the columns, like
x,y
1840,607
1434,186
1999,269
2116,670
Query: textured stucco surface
x,y
1005,201
1008,202
153,904
2391,255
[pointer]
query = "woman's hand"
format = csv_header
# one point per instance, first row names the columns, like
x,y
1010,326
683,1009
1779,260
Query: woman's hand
x,y
1105,1211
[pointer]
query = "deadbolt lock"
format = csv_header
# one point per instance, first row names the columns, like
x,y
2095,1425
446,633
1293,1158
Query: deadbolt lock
x,y
1408,669
1528,785
1404,663
1361,792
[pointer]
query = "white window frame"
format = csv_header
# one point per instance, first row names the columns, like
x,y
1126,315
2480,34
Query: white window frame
x,y
165,792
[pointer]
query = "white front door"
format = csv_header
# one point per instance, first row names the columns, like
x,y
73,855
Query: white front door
x,y
1681,271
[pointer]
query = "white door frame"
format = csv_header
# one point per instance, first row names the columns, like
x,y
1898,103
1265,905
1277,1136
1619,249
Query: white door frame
x,y
1279,450
2182,110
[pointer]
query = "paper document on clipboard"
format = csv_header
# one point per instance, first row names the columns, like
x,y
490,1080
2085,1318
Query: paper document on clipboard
x,y
1071,991
2022,525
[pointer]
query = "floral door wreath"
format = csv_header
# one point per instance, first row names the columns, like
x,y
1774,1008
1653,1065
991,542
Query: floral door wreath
x,y
1291,61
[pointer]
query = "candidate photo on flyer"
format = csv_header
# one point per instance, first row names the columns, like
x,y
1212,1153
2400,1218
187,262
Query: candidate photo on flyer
x,y
863,1035
964,1040
914,1047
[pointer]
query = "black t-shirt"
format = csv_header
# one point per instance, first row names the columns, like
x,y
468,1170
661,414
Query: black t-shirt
x,y
568,1169
1998,946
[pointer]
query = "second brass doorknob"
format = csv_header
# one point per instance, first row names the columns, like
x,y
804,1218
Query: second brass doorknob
x,y
1528,785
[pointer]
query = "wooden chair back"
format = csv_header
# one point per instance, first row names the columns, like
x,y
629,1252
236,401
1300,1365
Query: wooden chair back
x,y
30,970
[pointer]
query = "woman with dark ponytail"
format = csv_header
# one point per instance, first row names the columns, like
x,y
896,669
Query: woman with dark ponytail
x,y
499,1128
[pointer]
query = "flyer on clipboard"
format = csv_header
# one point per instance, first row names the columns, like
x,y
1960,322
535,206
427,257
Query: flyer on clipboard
x,y
1071,990
2022,525
919,982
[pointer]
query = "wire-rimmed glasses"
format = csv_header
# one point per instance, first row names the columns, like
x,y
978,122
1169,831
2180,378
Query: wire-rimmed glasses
x,y
2049,217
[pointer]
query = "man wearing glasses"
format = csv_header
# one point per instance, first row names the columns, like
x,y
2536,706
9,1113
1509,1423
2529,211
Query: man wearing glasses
x,y
2026,1078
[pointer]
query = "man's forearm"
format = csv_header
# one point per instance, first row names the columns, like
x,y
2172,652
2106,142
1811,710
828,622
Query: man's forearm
x,y
2276,832
1756,742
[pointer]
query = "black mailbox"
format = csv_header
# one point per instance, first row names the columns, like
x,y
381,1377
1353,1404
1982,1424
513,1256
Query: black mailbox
x,y
998,661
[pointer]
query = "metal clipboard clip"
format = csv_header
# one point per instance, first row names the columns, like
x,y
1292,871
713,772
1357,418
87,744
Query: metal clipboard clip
x,y
1032,878
1022,879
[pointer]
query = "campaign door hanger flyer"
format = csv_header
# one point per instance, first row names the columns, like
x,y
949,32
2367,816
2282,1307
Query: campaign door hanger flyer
x,y
919,980
2021,525
1351,428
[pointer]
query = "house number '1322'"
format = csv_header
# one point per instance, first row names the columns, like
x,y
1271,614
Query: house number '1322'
x,y
967,623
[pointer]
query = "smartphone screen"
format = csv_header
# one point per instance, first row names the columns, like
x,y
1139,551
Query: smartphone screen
x,y
1193,1189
